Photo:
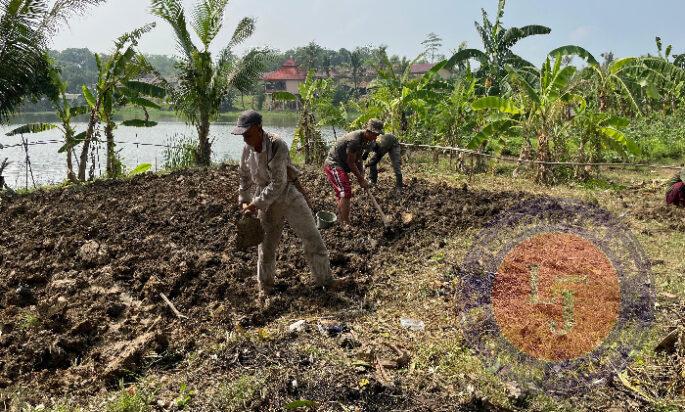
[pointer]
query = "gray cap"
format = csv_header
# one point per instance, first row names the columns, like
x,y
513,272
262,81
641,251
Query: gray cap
x,y
246,120
375,126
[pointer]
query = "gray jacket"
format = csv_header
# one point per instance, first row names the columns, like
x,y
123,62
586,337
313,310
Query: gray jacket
x,y
265,176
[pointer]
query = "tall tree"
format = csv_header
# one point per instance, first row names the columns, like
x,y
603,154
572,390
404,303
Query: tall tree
x,y
497,53
356,61
25,27
202,81
432,45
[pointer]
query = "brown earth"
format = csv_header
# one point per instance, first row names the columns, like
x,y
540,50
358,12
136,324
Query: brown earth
x,y
83,268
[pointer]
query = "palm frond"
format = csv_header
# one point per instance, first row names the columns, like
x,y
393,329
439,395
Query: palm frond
x,y
243,31
248,70
62,10
208,17
25,69
172,12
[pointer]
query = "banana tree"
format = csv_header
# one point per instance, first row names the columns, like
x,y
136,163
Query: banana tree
x,y
599,133
497,53
400,100
546,100
117,86
65,112
453,117
616,84
203,82
316,101
665,83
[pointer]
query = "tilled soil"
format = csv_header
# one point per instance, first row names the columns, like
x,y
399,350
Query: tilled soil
x,y
83,269
83,272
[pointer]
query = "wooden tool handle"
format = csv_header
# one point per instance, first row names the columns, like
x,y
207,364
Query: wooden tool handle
x,y
377,206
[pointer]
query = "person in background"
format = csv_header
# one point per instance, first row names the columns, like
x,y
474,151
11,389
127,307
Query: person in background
x,y
269,190
346,157
386,144
676,192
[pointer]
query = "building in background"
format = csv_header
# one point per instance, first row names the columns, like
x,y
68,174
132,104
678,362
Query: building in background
x,y
286,78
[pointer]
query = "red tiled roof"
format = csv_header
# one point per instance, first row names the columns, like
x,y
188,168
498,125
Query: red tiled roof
x,y
288,71
421,68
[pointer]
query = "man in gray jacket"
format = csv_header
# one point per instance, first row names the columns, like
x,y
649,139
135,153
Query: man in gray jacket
x,y
385,144
267,190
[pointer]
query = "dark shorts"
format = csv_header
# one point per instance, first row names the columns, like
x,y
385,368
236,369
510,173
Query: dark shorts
x,y
340,181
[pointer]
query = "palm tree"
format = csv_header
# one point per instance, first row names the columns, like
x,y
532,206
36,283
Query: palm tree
x,y
356,61
24,29
22,52
497,51
202,81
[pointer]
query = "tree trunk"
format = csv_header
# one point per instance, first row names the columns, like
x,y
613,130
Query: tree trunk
x,y
602,103
543,156
204,149
68,138
479,161
112,166
83,163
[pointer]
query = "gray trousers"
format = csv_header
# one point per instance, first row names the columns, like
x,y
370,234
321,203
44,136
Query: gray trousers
x,y
395,159
293,208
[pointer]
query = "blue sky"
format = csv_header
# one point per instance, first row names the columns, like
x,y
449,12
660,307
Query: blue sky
x,y
626,27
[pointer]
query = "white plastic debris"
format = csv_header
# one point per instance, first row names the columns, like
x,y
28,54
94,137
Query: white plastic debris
x,y
298,327
413,324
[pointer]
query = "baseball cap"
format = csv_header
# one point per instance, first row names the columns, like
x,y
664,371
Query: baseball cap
x,y
375,126
246,120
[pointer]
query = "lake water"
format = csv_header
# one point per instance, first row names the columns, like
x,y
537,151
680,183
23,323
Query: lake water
x,y
49,167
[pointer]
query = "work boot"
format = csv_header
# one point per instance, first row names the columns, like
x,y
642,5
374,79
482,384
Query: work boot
x,y
266,289
399,182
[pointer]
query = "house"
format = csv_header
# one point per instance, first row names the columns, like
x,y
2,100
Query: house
x,y
290,76
419,69
286,78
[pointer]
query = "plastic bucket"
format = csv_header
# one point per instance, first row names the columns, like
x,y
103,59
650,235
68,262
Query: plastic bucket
x,y
325,220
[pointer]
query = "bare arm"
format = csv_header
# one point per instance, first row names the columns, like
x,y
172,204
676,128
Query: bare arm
x,y
354,161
